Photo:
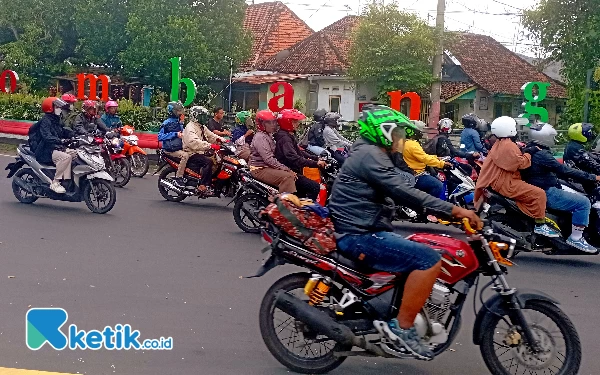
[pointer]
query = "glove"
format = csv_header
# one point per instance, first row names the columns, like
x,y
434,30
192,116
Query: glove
x,y
215,147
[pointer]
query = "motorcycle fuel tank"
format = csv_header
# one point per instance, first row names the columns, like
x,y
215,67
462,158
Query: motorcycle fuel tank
x,y
458,258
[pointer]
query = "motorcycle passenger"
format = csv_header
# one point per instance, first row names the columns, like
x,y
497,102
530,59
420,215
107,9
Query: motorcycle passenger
x,y
47,139
289,153
69,114
444,146
363,226
264,166
500,171
579,135
242,134
110,117
87,121
470,139
316,142
198,142
418,161
544,172
334,141
171,134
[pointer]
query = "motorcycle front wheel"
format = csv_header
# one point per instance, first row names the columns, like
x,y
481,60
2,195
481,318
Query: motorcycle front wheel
x,y
288,340
100,196
246,209
121,171
506,352
139,164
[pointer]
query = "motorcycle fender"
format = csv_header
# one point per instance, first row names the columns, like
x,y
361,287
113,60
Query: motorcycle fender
x,y
160,166
117,156
273,261
102,175
497,305
14,167
135,150
237,196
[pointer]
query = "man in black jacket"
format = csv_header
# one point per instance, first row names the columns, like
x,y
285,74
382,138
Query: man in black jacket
x,y
443,145
289,154
544,172
47,138
363,224
87,121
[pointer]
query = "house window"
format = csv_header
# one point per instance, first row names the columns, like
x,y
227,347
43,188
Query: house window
x,y
502,109
245,100
334,103
449,110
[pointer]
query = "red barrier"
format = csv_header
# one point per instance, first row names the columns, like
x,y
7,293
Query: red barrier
x,y
17,127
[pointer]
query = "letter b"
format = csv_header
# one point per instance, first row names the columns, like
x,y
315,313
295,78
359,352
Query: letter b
x,y
176,79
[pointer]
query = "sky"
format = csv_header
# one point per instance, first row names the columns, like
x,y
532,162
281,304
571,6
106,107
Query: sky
x,y
496,18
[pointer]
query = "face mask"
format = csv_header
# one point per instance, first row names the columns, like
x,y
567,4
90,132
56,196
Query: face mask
x,y
57,111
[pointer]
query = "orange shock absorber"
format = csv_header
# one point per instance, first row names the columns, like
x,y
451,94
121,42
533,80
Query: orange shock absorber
x,y
319,292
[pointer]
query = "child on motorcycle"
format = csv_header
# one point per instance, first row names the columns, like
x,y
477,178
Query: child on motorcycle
x,y
242,134
500,171
544,172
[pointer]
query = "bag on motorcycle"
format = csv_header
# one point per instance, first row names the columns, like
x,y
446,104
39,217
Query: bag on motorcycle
x,y
315,231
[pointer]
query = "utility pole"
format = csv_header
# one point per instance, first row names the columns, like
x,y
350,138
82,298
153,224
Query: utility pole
x,y
436,86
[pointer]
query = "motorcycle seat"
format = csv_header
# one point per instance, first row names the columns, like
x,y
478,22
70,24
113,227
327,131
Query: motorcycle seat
x,y
26,150
507,202
354,264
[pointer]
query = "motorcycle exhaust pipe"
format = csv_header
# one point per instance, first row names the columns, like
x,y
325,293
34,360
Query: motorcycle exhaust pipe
x,y
322,323
167,184
24,185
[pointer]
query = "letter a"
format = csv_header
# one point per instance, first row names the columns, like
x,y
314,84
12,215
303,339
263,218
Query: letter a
x,y
176,80
288,97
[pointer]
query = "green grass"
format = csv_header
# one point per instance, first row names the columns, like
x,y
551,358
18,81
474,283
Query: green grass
x,y
8,149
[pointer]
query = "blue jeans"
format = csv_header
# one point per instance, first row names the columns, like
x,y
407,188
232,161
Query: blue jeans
x,y
388,251
430,185
579,205
315,149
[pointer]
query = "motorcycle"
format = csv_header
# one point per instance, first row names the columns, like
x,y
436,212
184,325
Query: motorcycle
x,y
311,321
90,183
117,164
137,157
226,175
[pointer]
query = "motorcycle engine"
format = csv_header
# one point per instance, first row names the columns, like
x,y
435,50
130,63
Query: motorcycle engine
x,y
436,308
438,303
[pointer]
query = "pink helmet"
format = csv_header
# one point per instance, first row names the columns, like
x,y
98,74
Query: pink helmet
x,y
110,103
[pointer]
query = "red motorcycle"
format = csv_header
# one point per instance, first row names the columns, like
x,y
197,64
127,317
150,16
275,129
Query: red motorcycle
x,y
311,322
117,164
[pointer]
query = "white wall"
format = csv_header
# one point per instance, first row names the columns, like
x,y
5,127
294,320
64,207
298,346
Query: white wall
x,y
345,89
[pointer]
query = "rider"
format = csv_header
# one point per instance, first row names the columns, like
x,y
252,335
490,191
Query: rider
x,y
363,228
242,135
289,153
215,124
171,134
544,172
88,121
334,141
316,142
110,117
68,113
444,146
47,139
418,161
500,171
470,139
197,142
575,150
263,164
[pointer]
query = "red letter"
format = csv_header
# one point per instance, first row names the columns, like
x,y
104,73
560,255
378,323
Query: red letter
x,y
288,97
81,77
415,102
14,79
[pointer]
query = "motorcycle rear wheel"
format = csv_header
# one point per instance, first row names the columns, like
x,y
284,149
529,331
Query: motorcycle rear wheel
x,y
164,191
100,196
139,164
121,172
275,339
27,176
566,363
245,220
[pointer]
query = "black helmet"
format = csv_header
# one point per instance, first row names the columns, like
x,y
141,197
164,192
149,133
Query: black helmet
x,y
319,114
471,120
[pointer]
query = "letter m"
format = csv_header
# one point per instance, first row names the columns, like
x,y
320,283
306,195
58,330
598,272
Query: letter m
x,y
104,79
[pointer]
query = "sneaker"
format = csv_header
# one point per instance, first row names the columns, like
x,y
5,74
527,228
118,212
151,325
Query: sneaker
x,y
546,231
581,244
404,340
179,182
56,187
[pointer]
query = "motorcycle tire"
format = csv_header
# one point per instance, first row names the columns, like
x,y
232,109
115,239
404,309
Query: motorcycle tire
x,y
240,211
271,332
107,188
122,178
163,191
570,360
139,164
27,175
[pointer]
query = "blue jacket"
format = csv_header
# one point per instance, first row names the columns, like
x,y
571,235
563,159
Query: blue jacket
x,y
168,135
112,121
471,140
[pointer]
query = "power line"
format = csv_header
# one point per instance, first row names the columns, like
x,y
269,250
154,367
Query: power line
x,y
508,5
325,3
481,12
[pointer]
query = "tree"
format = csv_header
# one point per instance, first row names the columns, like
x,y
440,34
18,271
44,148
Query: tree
x,y
393,49
569,31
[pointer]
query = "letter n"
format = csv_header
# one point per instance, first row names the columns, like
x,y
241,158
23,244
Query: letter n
x,y
415,102
104,79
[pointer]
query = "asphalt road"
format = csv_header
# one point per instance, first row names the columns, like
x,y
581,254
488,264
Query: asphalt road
x,y
174,270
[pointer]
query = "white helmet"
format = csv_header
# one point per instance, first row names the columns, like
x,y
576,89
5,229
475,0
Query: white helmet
x,y
542,133
445,125
504,127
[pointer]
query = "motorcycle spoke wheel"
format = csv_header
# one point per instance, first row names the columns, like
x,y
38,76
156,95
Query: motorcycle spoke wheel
x,y
170,195
121,172
100,196
560,349
139,165
245,212
28,177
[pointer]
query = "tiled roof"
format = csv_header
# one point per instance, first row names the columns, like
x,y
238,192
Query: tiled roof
x,y
273,27
267,77
450,89
495,68
324,52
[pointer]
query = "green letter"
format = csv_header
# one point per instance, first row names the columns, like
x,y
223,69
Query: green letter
x,y
530,109
176,79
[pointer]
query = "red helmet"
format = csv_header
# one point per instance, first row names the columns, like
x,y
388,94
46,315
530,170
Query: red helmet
x,y
52,102
89,104
69,98
287,116
262,117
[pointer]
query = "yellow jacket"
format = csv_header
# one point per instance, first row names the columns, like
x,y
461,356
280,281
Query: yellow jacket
x,y
417,159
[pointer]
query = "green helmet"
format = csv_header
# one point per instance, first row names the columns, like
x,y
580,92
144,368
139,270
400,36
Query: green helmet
x,y
377,123
242,116
581,132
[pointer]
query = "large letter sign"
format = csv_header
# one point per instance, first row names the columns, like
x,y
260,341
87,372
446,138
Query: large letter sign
x,y
415,102
176,80
14,79
531,109
82,77
288,97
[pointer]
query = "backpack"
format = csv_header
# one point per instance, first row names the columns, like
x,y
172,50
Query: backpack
x,y
431,146
302,222
315,135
